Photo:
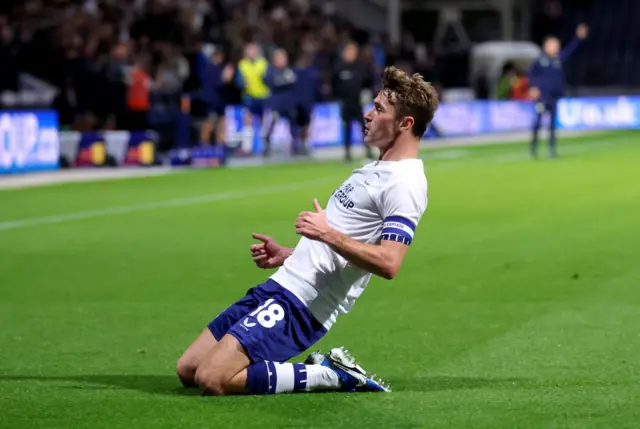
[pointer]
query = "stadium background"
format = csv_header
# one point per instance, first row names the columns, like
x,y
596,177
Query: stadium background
x,y
517,305
78,58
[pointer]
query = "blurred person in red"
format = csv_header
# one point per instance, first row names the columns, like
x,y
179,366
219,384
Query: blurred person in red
x,y
519,86
138,97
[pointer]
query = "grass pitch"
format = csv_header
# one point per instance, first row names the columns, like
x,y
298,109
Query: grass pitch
x,y
518,304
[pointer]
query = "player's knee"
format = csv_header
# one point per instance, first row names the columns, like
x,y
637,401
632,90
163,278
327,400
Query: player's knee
x,y
211,382
186,371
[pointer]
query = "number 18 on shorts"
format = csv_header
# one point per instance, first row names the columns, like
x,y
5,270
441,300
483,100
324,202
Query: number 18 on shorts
x,y
267,315
270,323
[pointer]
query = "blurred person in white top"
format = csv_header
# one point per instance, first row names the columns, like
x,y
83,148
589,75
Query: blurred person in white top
x,y
365,229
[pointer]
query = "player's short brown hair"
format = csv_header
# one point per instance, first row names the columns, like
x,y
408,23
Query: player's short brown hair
x,y
411,96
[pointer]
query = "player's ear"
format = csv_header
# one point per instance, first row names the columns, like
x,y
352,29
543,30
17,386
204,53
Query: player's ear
x,y
406,123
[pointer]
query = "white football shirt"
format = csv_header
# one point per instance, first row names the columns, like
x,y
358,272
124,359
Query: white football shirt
x,y
383,200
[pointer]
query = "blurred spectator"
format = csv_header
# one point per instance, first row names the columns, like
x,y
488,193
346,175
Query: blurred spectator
x,y
216,77
520,86
281,79
547,79
173,70
252,71
308,87
127,63
138,98
506,81
348,81
116,74
513,83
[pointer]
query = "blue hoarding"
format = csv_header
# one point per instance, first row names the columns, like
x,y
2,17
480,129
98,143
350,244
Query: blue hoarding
x,y
458,119
29,141
599,113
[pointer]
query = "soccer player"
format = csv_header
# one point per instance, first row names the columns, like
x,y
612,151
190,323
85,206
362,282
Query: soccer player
x,y
547,82
365,230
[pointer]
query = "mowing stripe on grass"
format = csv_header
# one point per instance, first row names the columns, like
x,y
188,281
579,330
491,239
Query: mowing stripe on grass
x,y
134,208
451,160
461,158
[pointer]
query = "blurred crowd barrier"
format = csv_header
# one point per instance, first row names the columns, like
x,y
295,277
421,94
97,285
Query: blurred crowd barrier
x,y
32,141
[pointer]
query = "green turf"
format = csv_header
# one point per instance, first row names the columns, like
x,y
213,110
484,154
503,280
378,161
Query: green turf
x,y
517,306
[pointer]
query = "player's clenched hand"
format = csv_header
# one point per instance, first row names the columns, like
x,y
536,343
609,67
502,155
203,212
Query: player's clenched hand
x,y
582,31
268,254
313,225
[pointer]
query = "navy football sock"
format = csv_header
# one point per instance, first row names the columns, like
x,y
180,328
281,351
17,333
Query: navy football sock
x,y
273,377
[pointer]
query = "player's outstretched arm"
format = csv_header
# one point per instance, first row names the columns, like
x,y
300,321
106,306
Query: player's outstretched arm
x,y
582,31
383,259
269,253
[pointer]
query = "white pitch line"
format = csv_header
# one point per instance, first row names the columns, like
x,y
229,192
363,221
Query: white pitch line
x,y
134,208
464,159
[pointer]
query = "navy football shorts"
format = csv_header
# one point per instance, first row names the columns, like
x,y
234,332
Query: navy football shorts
x,y
270,322
256,106
215,111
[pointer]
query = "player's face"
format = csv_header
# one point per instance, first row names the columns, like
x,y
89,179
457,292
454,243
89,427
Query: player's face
x,y
380,124
552,47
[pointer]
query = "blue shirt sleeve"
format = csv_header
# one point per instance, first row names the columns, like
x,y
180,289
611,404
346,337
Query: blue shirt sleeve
x,y
569,48
201,66
268,77
218,82
239,79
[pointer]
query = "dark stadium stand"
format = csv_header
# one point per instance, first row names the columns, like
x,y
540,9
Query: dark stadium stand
x,y
81,47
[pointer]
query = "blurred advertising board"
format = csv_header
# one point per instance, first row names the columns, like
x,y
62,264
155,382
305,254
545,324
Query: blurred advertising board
x,y
101,148
29,141
457,119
